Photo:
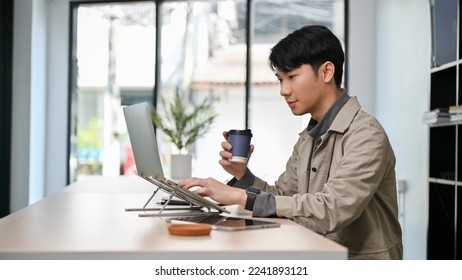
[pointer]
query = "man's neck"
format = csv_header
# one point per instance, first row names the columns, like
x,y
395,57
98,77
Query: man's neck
x,y
329,99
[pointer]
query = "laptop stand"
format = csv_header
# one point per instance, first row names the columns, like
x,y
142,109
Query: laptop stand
x,y
192,210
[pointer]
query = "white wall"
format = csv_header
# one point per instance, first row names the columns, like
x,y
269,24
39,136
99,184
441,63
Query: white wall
x,y
361,52
20,133
403,87
399,30
57,97
29,103
39,130
388,69
38,101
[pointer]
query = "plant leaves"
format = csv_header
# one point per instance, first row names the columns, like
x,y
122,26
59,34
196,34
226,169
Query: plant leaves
x,y
183,128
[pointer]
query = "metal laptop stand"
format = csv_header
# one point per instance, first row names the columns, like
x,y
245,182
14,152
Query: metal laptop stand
x,y
192,210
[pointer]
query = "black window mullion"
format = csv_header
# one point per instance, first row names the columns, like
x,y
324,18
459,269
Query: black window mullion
x,y
248,68
6,96
158,54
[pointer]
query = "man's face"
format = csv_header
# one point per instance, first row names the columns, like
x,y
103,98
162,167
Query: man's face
x,y
302,89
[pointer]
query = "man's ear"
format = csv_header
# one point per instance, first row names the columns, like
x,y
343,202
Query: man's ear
x,y
327,71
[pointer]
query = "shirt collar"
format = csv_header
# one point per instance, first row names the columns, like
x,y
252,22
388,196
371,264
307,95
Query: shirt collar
x,y
317,129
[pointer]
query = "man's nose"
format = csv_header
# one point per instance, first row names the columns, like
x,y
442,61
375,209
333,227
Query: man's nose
x,y
285,89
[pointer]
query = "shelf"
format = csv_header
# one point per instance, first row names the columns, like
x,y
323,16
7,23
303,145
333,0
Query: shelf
x,y
444,236
449,123
444,182
445,66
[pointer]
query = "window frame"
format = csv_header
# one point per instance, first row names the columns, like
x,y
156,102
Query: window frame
x,y
72,84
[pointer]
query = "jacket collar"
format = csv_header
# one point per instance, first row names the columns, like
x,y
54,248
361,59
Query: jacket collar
x,y
343,119
317,129
345,116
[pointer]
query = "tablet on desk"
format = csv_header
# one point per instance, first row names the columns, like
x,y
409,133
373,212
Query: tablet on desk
x,y
225,223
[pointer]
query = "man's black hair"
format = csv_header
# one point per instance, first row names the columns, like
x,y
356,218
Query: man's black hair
x,y
313,45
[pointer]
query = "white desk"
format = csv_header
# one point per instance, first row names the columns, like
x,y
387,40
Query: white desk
x,y
87,220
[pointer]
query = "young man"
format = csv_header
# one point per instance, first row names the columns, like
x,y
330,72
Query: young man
x,y
340,179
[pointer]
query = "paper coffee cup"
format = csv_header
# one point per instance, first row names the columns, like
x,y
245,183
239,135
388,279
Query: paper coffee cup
x,y
240,142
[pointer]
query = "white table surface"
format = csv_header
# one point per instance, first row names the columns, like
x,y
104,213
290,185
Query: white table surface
x,y
87,220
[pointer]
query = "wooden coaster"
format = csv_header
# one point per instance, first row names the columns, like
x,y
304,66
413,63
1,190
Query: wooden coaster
x,y
189,229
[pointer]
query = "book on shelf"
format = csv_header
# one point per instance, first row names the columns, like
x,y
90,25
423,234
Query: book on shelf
x,y
456,117
437,120
439,110
438,115
455,109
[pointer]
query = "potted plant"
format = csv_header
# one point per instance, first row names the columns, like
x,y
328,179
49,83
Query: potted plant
x,y
183,125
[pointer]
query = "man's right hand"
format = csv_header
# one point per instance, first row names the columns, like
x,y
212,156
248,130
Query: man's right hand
x,y
236,169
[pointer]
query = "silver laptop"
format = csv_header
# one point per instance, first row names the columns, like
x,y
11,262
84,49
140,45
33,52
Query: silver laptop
x,y
147,159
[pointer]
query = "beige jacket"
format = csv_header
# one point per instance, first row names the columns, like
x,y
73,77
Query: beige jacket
x,y
351,194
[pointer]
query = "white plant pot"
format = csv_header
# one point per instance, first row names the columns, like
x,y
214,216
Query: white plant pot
x,y
181,167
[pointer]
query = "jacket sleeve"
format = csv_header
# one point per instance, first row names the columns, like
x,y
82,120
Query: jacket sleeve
x,y
366,157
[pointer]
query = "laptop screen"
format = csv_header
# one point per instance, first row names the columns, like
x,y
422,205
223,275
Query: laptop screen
x,y
147,159
143,140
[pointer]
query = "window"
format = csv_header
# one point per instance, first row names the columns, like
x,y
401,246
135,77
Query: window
x,y
115,64
274,127
201,50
